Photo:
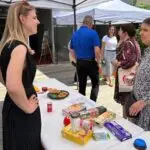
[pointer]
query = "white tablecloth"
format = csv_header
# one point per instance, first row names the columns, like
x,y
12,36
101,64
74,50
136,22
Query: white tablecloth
x,y
52,123
128,145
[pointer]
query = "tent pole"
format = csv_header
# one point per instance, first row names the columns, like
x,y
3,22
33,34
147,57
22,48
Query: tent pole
x,y
74,12
53,39
95,24
109,23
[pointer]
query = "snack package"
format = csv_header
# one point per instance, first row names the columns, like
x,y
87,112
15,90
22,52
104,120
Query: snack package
x,y
100,134
105,117
80,137
73,108
92,112
118,131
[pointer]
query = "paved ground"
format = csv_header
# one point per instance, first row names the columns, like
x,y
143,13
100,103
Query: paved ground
x,y
64,73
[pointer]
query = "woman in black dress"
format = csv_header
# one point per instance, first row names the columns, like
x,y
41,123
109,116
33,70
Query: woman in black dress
x,y
21,113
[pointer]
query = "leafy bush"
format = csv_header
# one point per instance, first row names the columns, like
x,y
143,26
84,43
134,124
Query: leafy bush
x,y
142,46
145,6
138,38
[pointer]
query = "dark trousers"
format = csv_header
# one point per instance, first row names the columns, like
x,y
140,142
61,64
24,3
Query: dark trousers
x,y
89,68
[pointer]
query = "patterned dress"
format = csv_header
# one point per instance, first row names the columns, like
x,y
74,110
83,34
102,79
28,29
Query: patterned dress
x,y
127,54
142,90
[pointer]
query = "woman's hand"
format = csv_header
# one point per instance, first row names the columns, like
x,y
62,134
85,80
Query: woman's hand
x,y
136,107
116,63
33,104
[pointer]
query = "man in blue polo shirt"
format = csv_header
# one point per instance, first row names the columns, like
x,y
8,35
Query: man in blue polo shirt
x,y
85,45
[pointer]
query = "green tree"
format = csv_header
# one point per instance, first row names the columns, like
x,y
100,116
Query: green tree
x,y
138,38
134,2
145,6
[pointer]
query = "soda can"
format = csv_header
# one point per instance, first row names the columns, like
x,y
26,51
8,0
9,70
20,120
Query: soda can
x,y
49,107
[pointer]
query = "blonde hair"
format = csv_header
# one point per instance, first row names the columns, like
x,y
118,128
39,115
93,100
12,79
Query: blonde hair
x,y
13,27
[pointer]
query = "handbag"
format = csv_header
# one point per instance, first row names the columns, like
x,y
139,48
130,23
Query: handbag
x,y
128,103
126,78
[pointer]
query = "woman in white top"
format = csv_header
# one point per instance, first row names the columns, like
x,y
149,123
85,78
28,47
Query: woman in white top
x,y
109,43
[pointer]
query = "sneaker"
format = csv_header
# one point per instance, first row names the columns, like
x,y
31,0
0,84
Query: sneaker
x,y
109,84
75,83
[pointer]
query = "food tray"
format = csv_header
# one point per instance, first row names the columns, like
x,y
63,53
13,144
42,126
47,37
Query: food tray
x,y
58,96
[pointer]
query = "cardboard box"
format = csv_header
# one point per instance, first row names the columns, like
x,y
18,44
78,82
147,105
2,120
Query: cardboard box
x,y
73,108
81,137
118,131
105,117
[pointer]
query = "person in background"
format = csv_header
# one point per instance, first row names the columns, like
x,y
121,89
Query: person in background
x,y
73,62
128,53
21,114
142,83
108,50
85,49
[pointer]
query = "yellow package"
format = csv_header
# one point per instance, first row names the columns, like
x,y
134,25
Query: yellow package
x,y
36,89
81,137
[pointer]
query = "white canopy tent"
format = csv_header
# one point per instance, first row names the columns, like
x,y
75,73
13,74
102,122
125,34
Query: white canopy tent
x,y
40,4
110,11
55,4
58,6
101,10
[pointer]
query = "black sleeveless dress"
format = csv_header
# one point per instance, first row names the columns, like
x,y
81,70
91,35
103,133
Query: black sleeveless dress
x,y
21,131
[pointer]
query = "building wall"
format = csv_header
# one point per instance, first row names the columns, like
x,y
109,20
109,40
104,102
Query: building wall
x,y
44,16
3,14
62,37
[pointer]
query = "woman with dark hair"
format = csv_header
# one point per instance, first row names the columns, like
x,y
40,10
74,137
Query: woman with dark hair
x,y
142,83
109,43
128,53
